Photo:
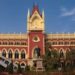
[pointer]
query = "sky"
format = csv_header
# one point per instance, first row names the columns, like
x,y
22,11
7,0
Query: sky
x,y
59,15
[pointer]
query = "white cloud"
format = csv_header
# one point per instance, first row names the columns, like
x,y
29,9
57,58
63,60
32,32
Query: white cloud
x,y
66,12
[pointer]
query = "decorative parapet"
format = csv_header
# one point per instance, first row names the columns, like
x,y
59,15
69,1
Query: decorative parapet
x,y
61,36
13,36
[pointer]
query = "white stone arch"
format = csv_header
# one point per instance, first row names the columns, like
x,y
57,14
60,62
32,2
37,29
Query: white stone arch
x,y
23,64
15,66
56,49
67,49
24,52
16,49
11,50
16,62
62,50
4,49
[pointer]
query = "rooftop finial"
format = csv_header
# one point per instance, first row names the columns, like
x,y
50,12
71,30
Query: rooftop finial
x,y
35,8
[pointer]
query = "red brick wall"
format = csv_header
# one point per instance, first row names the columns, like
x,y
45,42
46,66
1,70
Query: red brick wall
x,y
32,44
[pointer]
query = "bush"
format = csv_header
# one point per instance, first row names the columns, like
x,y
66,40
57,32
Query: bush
x,y
10,68
27,68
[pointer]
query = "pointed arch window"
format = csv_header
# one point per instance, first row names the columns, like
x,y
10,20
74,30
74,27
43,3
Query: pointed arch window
x,y
16,54
61,53
4,53
10,54
23,54
37,52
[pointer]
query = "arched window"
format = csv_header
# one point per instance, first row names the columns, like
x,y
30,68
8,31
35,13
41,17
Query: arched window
x,y
61,53
4,53
10,54
23,54
16,54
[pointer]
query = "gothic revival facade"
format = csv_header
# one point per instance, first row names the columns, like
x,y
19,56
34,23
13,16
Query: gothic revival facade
x,y
22,48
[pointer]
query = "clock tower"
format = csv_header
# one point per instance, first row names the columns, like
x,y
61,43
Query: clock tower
x,y
36,36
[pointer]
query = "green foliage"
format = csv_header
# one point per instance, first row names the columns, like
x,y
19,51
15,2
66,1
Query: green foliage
x,y
19,69
2,68
27,68
50,59
10,68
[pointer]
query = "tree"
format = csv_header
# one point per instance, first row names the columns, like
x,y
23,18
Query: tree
x,y
2,68
73,57
27,68
10,68
19,69
50,60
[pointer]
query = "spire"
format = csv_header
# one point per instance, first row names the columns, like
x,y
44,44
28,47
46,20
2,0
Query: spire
x,y
35,8
43,14
28,18
28,14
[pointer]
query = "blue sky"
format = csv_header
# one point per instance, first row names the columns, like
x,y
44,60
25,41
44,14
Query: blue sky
x,y
59,15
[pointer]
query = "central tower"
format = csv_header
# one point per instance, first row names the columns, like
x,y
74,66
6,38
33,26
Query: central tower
x,y
35,20
35,29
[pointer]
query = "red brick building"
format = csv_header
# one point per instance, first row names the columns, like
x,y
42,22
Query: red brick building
x,y
22,48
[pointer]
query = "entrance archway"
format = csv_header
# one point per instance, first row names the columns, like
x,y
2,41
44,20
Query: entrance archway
x,y
36,52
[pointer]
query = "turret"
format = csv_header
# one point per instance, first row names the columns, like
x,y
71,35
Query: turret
x,y
28,18
43,17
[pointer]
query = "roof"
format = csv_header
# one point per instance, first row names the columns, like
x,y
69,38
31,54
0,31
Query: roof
x,y
35,8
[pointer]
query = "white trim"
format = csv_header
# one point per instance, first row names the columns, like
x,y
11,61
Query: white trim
x,y
23,63
14,45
